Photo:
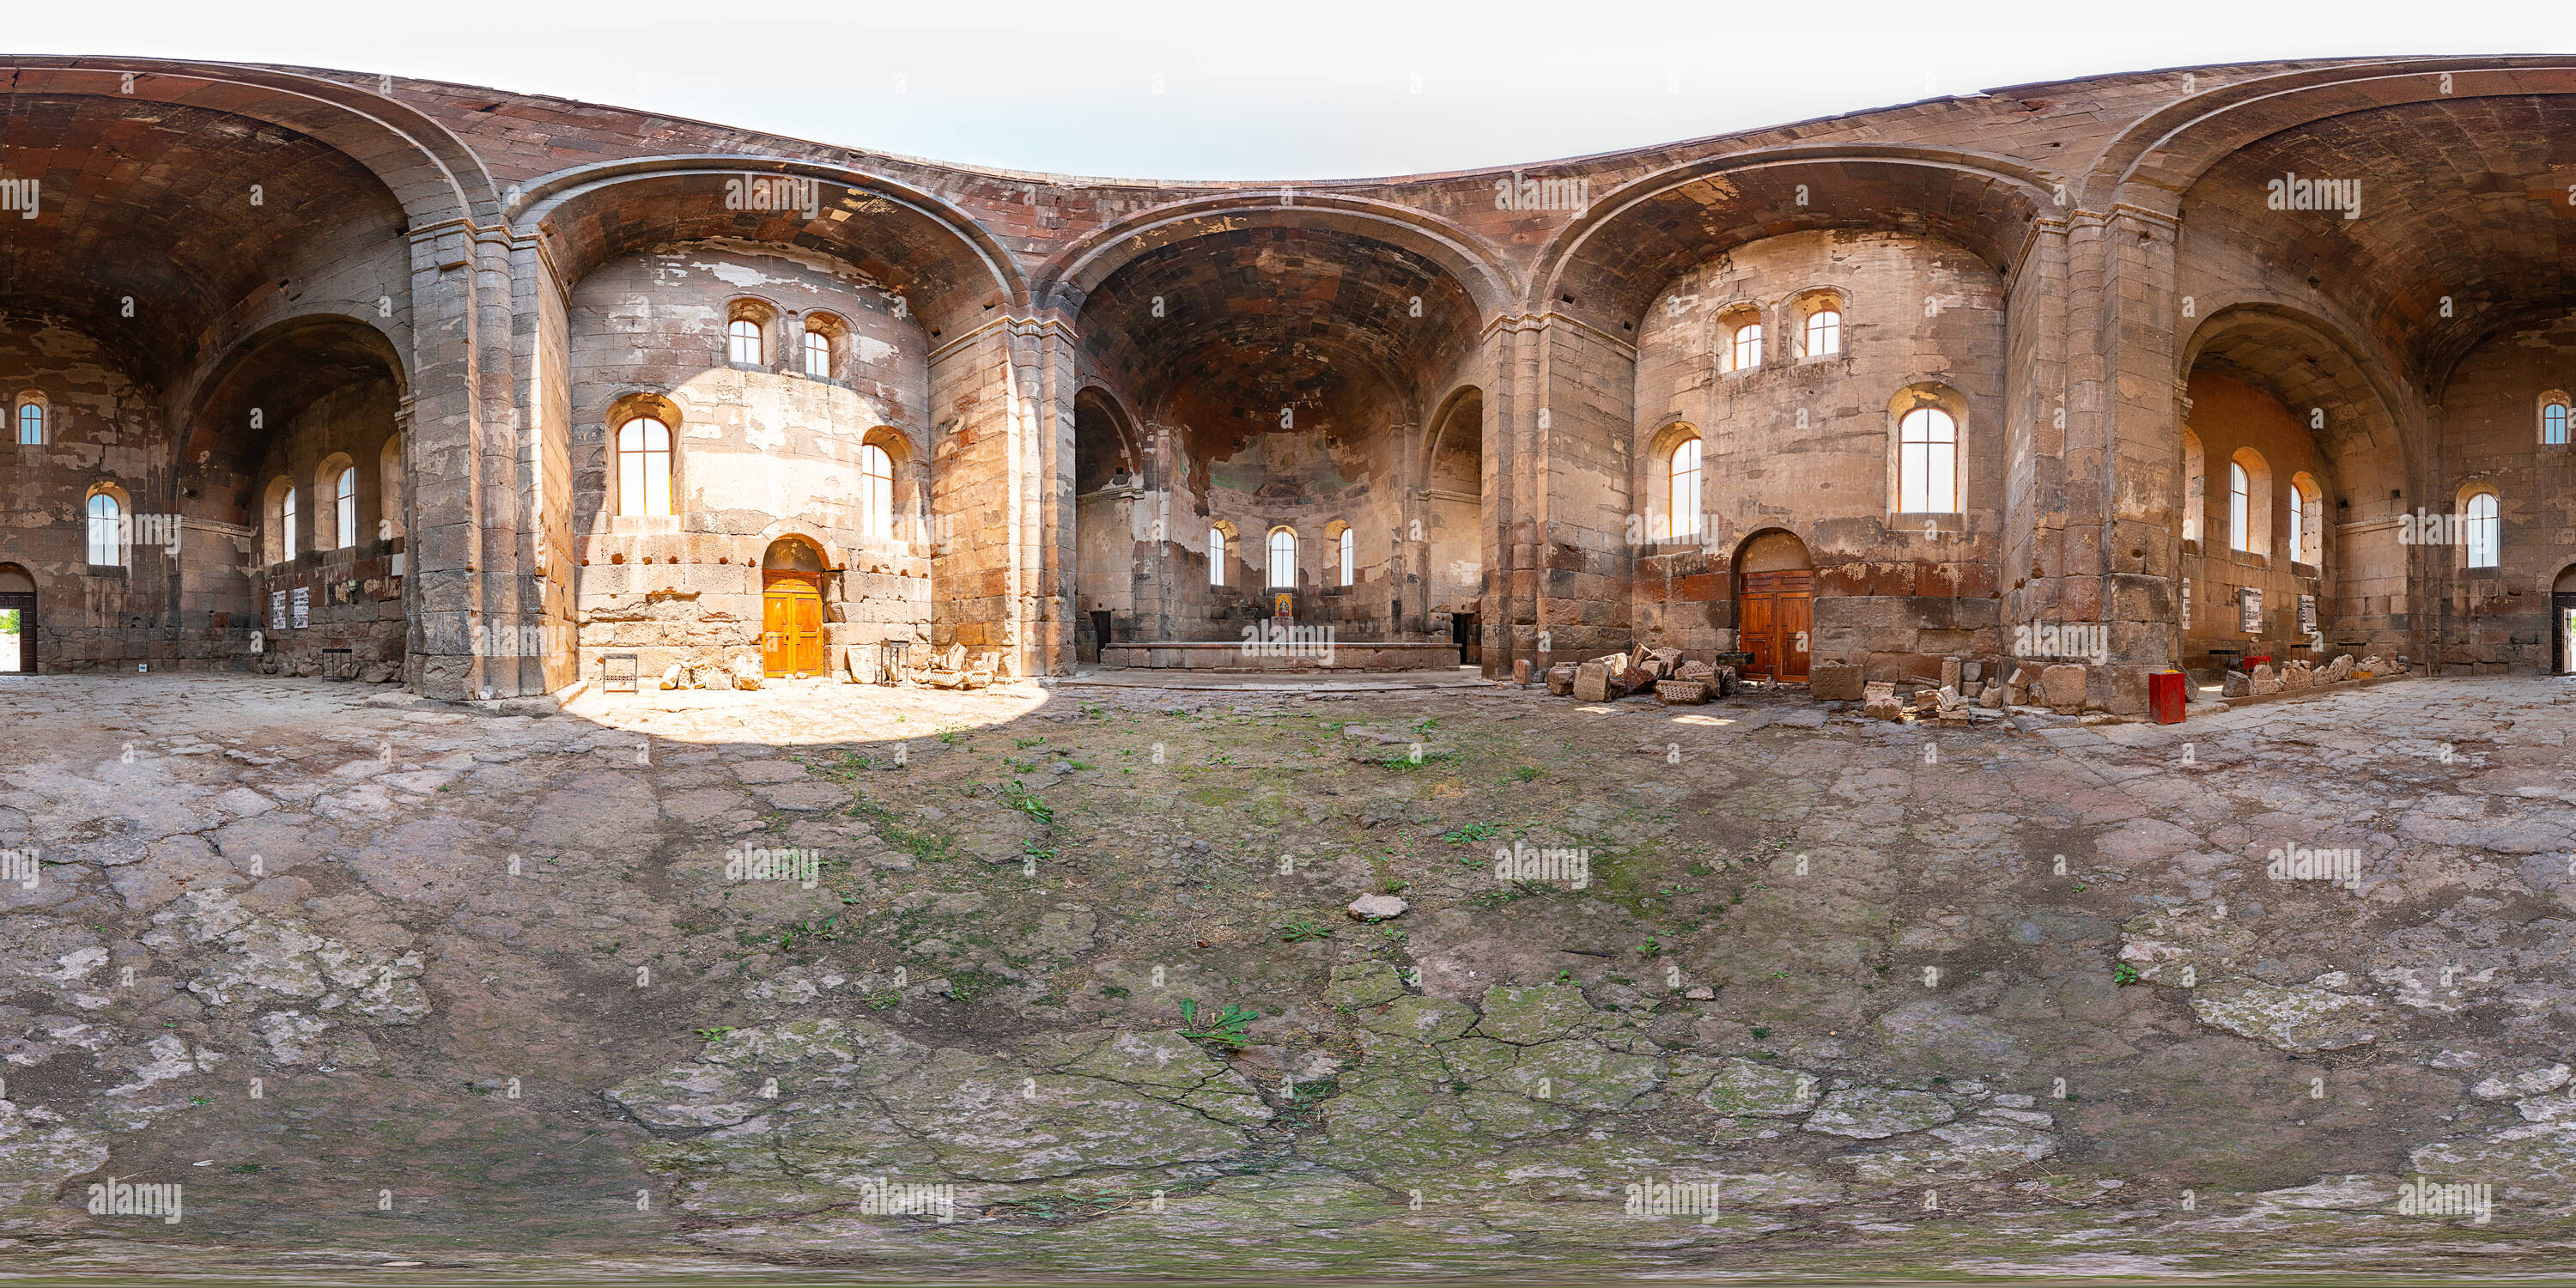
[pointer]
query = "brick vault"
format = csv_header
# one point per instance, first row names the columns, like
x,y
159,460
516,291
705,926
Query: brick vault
x,y
311,369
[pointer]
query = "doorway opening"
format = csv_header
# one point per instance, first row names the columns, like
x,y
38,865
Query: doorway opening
x,y
2562,619
17,621
1775,605
791,609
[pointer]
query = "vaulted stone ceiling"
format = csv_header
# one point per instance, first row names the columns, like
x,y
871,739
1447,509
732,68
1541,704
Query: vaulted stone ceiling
x,y
154,202
2466,199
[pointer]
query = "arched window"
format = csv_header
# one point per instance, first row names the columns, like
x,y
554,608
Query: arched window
x,y
1283,558
643,467
818,354
2307,520
2484,532
344,508
1744,346
1927,462
2553,419
2239,502
2195,485
1685,475
876,492
1346,545
1216,556
286,522
1824,332
104,549
31,424
744,338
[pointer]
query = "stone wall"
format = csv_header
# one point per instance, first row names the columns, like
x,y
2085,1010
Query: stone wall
x,y
761,453
2499,619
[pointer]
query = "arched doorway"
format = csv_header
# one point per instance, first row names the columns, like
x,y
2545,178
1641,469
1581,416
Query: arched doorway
x,y
791,609
1775,593
2562,618
17,621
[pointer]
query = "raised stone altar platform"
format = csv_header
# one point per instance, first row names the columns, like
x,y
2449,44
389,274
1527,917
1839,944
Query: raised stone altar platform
x,y
1236,655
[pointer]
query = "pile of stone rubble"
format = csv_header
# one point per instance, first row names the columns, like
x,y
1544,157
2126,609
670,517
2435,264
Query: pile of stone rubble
x,y
1660,672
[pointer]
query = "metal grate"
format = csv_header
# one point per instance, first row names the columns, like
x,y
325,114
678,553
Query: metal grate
x,y
618,672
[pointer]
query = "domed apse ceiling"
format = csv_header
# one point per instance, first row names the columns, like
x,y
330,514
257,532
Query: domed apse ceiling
x,y
154,202
2464,199
1219,333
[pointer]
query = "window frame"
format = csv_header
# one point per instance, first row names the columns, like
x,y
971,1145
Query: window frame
x,y
876,493
1683,521
344,506
115,510
1833,331
818,354
1282,548
629,505
1216,555
2492,525
2556,409
1947,422
1348,549
2240,508
735,338
286,522
1744,334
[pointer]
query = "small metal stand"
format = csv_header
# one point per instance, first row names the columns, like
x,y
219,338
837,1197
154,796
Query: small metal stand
x,y
618,672
339,664
890,661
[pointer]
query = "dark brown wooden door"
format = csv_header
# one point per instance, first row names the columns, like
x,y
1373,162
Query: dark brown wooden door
x,y
1777,610
791,624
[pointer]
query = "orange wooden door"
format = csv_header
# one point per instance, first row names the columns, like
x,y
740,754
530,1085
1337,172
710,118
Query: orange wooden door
x,y
791,624
1759,630
1778,615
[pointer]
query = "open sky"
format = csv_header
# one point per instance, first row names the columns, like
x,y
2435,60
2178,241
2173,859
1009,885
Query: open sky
x,y
1307,90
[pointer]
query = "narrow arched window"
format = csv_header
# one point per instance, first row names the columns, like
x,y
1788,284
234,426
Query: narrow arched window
x,y
2553,423
1824,333
2239,501
1744,347
2298,523
1927,462
286,523
31,425
744,337
1346,557
105,551
2483,530
344,508
1283,558
643,467
876,492
1685,478
818,355
1216,556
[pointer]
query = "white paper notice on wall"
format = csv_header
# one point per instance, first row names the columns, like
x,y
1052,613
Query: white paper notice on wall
x,y
302,601
2249,606
2307,614
277,611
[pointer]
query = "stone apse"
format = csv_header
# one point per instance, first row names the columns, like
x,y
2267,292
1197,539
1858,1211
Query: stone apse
x,y
312,369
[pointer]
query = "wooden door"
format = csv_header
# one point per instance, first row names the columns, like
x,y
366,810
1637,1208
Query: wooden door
x,y
1777,611
791,624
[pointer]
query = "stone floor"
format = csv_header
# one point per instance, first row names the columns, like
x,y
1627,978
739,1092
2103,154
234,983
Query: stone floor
x,y
681,980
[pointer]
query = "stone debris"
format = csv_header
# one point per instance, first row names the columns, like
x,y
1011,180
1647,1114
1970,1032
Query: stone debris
x,y
2061,688
1377,907
1835,682
1682,693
